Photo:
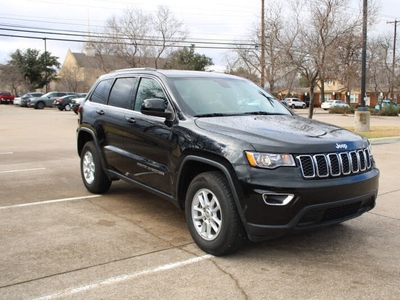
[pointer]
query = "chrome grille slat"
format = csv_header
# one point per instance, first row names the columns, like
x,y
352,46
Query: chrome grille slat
x,y
334,164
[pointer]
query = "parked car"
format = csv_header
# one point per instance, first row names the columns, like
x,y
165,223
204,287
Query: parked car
x,y
384,103
65,102
6,98
26,97
333,103
17,101
75,104
46,100
226,152
294,103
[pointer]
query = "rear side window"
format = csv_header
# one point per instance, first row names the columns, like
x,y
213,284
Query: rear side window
x,y
100,94
121,93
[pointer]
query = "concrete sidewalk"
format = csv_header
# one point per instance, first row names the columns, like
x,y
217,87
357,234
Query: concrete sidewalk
x,y
349,120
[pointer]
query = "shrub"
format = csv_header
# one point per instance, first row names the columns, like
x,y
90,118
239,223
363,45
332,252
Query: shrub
x,y
341,110
390,110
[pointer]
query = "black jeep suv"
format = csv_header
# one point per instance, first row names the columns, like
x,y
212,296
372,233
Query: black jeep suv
x,y
232,156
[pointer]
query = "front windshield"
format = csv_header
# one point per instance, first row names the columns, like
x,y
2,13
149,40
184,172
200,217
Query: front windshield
x,y
224,96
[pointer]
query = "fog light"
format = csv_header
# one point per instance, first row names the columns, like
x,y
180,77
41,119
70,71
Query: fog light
x,y
277,199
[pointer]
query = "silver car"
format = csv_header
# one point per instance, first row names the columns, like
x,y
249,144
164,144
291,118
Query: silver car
x,y
46,100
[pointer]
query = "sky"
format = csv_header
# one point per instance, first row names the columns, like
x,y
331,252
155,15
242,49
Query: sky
x,y
206,20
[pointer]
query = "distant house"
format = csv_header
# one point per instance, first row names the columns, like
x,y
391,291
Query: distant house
x,y
80,70
333,91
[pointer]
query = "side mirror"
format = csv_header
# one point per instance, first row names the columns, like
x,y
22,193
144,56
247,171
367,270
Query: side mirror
x,y
155,107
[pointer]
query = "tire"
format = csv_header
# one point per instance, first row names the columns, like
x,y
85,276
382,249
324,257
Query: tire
x,y
60,108
303,106
40,105
93,176
67,107
293,106
212,216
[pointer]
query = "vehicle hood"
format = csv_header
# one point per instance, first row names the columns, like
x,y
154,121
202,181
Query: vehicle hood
x,y
284,133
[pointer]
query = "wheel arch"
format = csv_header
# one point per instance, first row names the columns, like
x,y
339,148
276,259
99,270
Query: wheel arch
x,y
192,165
85,135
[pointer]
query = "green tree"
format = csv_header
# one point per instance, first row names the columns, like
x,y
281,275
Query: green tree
x,y
37,69
187,59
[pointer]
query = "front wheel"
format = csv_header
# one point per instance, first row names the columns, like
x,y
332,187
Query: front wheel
x,y
40,105
67,107
212,216
93,176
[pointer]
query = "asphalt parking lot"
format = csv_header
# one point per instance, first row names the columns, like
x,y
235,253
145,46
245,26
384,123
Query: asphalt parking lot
x,y
58,241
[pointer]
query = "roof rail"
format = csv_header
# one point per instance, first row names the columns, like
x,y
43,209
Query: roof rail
x,y
134,69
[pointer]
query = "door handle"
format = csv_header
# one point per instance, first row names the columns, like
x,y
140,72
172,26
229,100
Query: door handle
x,y
100,112
130,120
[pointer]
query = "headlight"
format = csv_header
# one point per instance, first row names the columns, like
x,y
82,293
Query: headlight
x,y
270,160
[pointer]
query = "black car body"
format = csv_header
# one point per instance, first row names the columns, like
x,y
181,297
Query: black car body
x,y
238,161
65,102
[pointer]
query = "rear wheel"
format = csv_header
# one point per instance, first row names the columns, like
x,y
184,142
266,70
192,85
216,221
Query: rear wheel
x,y
212,216
93,176
67,107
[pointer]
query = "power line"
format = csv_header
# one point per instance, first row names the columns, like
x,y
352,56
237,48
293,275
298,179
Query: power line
x,y
149,40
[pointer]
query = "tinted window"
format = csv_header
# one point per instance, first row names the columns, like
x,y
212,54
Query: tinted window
x,y
100,94
148,88
121,95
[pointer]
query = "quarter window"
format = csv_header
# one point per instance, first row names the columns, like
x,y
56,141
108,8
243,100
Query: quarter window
x,y
100,94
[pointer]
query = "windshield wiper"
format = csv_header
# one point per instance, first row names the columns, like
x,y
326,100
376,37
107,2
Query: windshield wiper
x,y
265,113
212,115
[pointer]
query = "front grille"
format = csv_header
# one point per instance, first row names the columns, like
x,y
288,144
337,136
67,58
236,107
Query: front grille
x,y
335,164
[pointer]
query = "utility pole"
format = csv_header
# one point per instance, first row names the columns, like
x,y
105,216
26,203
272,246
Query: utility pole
x,y
394,57
362,114
45,63
364,57
262,45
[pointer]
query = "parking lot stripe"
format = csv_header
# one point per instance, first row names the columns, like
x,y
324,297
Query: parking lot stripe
x,y
2,153
49,201
120,278
22,170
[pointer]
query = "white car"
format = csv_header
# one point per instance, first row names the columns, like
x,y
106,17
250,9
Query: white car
x,y
332,103
295,103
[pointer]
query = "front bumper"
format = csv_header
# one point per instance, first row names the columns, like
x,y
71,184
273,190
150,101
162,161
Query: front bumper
x,y
315,203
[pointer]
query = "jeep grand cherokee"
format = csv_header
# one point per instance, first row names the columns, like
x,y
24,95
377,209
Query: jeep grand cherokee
x,y
237,161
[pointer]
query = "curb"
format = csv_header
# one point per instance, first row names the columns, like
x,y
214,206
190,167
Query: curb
x,y
385,140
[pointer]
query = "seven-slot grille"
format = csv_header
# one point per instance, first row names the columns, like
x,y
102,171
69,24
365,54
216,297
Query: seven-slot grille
x,y
335,164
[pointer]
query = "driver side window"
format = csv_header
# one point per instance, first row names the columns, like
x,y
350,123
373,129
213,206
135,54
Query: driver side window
x,y
148,88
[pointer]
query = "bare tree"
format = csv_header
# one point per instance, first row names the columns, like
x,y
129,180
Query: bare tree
x,y
72,79
170,30
138,38
249,59
380,64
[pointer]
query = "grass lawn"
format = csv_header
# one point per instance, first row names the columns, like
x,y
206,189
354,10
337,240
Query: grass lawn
x,y
379,131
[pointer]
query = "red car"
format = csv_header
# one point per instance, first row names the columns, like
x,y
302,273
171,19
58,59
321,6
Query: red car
x,y
6,98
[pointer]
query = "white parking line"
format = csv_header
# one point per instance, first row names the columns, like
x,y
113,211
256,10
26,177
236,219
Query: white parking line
x,y
2,153
120,278
22,170
49,201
